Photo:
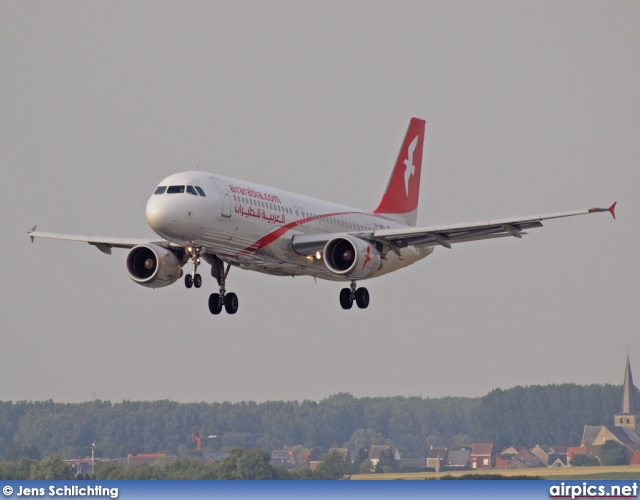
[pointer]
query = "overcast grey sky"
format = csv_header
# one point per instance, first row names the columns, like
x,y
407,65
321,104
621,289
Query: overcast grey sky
x,y
531,107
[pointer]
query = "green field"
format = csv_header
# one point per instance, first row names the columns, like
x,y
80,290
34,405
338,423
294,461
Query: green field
x,y
626,472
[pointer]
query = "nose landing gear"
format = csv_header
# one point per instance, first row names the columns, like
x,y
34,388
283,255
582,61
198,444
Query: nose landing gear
x,y
348,295
193,279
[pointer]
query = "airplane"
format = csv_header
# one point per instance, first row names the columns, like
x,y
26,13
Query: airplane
x,y
228,223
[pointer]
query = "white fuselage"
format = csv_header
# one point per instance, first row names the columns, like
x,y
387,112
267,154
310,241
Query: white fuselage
x,y
252,226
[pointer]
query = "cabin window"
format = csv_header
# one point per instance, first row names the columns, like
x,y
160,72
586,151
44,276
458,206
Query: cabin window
x,y
191,190
160,190
201,192
175,189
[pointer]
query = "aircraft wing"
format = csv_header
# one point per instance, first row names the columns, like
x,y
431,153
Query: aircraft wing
x,y
102,243
447,235
443,235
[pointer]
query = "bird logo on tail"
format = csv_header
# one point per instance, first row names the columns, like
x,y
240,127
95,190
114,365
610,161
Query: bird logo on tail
x,y
410,168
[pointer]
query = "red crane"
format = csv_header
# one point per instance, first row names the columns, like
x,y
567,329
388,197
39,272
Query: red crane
x,y
198,440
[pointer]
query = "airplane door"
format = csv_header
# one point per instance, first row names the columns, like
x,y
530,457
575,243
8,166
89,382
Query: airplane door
x,y
224,195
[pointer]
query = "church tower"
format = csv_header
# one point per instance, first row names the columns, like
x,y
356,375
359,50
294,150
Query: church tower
x,y
628,416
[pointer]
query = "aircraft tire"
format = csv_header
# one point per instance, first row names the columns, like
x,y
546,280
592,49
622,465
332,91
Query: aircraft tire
x,y
231,303
214,303
188,280
362,298
197,281
345,298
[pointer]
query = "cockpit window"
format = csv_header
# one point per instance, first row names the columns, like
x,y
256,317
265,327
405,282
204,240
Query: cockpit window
x,y
175,189
200,191
192,191
160,190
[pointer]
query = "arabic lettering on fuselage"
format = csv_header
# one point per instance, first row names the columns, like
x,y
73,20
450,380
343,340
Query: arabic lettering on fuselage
x,y
259,213
252,193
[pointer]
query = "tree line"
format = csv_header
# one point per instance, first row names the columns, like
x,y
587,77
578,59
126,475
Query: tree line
x,y
241,464
522,416
546,415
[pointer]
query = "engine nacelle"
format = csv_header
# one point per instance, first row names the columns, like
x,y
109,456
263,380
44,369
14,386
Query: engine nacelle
x,y
153,266
352,257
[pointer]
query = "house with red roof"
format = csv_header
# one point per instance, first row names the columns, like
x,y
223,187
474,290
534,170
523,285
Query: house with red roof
x,y
481,456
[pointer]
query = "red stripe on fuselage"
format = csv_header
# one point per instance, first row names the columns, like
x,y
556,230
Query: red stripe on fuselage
x,y
282,230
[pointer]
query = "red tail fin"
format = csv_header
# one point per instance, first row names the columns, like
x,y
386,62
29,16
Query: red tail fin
x,y
403,190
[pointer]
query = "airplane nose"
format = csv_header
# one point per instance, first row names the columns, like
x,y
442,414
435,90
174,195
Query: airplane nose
x,y
160,213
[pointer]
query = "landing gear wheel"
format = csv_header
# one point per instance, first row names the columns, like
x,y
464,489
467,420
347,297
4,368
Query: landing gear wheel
x,y
223,299
362,298
193,278
231,303
215,305
346,301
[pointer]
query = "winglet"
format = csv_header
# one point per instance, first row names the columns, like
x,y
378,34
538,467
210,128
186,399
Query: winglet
x,y
32,230
611,210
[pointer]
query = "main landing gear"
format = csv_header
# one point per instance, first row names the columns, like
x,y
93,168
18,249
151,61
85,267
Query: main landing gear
x,y
193,279
223,299
348,295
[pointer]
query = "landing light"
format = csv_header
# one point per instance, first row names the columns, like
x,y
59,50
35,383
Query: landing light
x,y
318,255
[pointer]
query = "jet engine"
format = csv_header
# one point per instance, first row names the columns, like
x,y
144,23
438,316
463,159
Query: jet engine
x,y
153,266
352,257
